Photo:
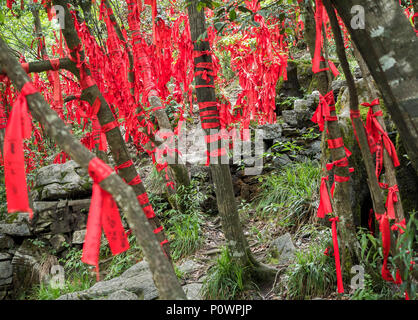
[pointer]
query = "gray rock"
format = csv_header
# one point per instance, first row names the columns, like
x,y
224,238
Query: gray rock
x,y
32,264
6,242
6,272
271,131
78,237
193,291
290,117
19,229
137,279
188,267
61,181
336,85
302,105
282,160
57,241
122,295
284,248
314,149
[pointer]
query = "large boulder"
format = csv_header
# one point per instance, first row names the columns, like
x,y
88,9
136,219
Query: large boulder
x,y
6,274
61,181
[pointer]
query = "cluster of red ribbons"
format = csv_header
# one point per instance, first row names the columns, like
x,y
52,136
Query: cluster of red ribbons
x,y
320,19
379,137
104,213
19,127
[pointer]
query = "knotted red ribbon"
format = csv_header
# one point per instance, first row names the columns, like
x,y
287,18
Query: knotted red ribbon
x,y
18,127
323,111
340,286
390,201
104,213
325,206
375,130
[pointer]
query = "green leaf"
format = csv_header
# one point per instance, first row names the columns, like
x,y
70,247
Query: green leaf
x,y
232,15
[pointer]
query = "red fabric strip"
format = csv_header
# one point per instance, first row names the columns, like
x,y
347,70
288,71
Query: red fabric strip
x,y
124,165
338,163
104,214
341,178
337,254
110,126
390,201
325,206
158,230
335,143
135,181
19,127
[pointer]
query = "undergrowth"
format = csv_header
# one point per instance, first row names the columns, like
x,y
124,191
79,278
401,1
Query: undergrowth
x,y
313,273
288,194
225,280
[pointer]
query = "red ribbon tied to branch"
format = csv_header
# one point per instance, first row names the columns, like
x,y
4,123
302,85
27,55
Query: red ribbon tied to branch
x,y
323,111
325,206
18,127
340,286
375,130
390,201
384,227
104,214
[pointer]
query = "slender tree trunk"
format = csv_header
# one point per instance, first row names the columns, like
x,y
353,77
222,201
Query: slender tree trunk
x,y
221,175
163,273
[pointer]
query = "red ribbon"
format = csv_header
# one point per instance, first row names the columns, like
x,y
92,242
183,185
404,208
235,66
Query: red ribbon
x,y
384,228
319,20
325,206
19,127
390,201
323,111
337,254
375,130
104,213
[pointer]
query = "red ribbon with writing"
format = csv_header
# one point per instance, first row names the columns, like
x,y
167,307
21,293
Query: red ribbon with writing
x,y
18,127
104,213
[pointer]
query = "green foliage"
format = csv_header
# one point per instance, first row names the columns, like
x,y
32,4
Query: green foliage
x,y
123,261
50,292
182,228
73,265
406,248
313,273
370,292
290,192
225,280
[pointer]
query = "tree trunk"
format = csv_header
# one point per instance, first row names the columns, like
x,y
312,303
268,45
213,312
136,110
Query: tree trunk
x,y
388,45
221,175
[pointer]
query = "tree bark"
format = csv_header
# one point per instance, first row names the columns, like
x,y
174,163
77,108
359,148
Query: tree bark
x,y
388,45
163,273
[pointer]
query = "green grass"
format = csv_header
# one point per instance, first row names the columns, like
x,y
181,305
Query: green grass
x,y
225,280
313,273
289,193
50,292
